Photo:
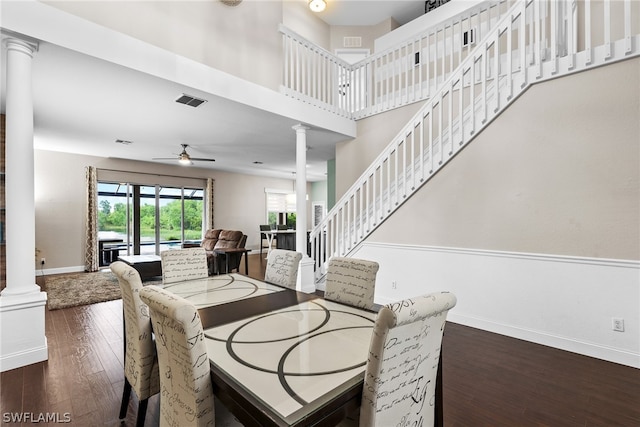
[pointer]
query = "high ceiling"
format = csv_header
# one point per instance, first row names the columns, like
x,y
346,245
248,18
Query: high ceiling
x,y
370,12
83,105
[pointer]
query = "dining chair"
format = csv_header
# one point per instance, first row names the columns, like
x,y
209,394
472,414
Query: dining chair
x,y
185,375
179,265
263,236
140,361
282,268
401,371
351,281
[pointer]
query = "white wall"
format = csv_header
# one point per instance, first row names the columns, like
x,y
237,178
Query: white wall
x,y
230,39
563,302
297,17
353,157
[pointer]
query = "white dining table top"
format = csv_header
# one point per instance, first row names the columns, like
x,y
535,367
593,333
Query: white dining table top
x,y
296,358
287,231
221,289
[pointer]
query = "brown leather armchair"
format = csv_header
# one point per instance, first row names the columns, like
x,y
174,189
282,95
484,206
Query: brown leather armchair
x,y
218,239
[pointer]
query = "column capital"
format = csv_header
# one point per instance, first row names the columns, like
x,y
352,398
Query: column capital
x,y
300,128
20,45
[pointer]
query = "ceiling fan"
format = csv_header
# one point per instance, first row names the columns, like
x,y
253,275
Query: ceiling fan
x,y
184,158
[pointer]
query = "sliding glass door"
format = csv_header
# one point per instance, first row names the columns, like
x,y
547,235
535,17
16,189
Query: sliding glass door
x,y
146,219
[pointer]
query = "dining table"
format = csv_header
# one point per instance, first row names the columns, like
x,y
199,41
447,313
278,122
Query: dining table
x,y
280,357
286,239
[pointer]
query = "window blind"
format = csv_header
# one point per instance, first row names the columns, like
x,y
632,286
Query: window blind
x,y
281,202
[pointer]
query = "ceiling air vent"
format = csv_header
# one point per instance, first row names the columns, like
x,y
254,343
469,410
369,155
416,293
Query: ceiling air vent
x,y
123,142
191,101
352,41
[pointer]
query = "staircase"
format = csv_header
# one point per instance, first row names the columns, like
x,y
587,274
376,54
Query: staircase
x,y
532,42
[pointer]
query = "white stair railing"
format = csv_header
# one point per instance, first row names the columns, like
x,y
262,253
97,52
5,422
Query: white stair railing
x,y
535,40
398,76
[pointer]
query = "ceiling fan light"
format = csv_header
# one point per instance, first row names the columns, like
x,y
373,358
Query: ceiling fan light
x,y
184,158
317,5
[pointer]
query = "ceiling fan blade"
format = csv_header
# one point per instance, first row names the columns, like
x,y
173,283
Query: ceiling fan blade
x,y
184,157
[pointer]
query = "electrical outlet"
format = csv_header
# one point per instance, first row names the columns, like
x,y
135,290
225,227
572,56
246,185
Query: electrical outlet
x,y
617,324
42,261
394,285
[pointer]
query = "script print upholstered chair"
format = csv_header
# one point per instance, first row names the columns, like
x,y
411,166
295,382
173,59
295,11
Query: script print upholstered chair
x,y
140,361
351,281
282,268
185,377
400,377
179,265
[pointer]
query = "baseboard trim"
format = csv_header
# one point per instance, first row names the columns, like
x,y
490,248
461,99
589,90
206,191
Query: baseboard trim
x,y
549,340
60,270
24,358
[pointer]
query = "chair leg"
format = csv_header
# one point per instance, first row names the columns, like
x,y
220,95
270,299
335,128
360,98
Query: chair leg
x,y
126,394
142,412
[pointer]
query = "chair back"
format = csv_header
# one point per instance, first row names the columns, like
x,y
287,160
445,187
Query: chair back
x,y
140,362
264,227
179,265
282,268
351,281
229,239
185,378
400,377
211,238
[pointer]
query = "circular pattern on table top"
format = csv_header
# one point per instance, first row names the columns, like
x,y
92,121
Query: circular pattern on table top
x,y
260,341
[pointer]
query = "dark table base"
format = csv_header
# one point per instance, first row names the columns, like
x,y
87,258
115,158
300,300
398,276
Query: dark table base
x,y
147,265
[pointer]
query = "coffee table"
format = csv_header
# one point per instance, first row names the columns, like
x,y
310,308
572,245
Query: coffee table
x,y
147,265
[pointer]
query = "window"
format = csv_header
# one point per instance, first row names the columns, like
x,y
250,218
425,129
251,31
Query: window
x,y
149,218
281,209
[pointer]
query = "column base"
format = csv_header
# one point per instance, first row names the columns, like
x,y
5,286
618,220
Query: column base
x,y
306,280
22,338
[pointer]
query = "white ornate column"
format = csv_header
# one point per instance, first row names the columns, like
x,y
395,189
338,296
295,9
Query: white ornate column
x,y
306,282
22,304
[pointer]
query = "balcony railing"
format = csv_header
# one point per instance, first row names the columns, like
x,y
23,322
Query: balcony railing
x,y
407,73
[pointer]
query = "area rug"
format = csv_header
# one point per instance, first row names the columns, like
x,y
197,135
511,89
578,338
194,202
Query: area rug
x,y
75,289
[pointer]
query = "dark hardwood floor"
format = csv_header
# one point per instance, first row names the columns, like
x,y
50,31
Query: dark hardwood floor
x,y
489,379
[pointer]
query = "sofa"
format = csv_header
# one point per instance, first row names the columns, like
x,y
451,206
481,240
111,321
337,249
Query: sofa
x,y
219,238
